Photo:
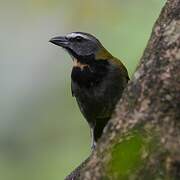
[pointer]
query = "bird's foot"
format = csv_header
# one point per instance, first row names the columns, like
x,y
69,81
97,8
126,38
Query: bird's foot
x,y
93,145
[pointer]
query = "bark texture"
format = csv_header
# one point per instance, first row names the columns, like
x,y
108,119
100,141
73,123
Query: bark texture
x,y
142,140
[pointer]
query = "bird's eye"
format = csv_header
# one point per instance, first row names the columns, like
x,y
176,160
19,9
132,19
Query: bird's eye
x,y
78,38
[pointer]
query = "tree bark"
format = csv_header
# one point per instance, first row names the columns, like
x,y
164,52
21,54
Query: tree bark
x,y
142,140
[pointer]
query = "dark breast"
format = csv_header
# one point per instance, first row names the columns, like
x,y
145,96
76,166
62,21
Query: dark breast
x,y
97,89
90,75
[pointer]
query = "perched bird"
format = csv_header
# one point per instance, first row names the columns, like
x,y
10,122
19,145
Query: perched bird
x,y
98,79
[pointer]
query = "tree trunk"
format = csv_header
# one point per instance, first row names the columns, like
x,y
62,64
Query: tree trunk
x,y
142,140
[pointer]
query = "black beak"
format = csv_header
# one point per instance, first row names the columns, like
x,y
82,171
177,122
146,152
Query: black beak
x,y
60,41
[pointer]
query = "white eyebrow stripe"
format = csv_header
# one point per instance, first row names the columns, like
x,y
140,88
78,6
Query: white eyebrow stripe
x,y
73,35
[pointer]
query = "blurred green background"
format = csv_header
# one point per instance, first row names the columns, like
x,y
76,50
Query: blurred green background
x,y
42,133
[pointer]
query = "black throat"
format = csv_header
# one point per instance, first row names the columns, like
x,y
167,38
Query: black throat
x,y
91,73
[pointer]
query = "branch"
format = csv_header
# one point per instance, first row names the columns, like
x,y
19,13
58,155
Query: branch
x,y
142,140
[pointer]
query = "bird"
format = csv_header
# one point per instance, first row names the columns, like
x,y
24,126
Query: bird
x,y
97,79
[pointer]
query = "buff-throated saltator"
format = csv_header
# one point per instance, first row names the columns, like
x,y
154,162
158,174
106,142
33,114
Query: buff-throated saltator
x,y
98,78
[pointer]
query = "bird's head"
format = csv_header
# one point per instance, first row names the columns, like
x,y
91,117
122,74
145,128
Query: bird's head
x,y
82,45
